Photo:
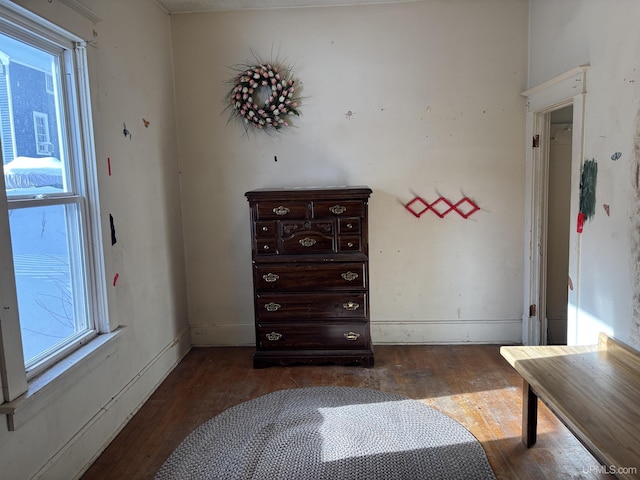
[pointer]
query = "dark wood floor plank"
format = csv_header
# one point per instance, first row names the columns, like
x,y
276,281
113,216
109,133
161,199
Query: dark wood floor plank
x,y
471,383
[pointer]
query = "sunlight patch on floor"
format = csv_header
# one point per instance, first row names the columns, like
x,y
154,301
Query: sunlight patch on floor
x,y
350,427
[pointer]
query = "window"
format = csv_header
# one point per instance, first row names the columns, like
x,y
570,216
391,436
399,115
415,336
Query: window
x,y
41,129
49,230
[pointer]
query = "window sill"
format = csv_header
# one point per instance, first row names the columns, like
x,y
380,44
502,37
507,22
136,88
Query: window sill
x,y
58,376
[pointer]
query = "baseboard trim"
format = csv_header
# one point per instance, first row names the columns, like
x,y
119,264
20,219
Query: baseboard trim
x,y
392,332
421,332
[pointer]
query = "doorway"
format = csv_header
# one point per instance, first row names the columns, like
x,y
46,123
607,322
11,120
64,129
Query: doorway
x,y
558,225
555,110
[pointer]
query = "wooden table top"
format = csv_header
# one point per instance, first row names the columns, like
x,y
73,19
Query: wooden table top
x,y
594,390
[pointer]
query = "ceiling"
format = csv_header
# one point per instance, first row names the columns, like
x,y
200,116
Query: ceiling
x,y
186,6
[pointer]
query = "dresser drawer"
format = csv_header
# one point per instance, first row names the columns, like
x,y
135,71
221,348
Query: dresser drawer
x,y
266,229
333,208
349,243
266,246
349,225
307,236
277,210
319,336
310,276
296,306
308,242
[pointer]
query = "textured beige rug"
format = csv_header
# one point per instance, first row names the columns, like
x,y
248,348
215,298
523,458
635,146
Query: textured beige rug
x,y
332,433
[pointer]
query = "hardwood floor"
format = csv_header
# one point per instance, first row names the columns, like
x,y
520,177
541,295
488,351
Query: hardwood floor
x,y
471,383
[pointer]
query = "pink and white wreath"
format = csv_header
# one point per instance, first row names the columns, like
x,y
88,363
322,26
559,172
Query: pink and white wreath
x,y
263,96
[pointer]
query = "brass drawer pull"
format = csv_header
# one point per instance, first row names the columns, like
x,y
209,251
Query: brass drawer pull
x,y
351,306
307,242
265,229
266,247
272,307
349,276
351,336
274,336
349,225
270,277
350,244
281,210
337,209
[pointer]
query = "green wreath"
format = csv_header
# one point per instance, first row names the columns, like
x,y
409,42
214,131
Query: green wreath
x,y
263,96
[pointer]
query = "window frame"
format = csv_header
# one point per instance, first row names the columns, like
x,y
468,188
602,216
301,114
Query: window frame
x,y
38,32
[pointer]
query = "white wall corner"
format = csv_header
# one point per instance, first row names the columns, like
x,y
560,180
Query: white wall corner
x,y
223,335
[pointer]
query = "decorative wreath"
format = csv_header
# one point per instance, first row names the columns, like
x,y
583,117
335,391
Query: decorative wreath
x,y
263,96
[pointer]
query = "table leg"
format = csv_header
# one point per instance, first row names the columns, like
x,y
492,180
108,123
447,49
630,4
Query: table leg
x,y
529,414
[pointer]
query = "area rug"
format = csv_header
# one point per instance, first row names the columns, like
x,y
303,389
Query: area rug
x,y
329,433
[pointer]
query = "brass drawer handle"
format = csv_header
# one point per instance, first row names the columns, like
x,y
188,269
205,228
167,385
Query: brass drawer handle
x,y
351,306
281,210
349,225
270,277
266,247
274,336
265,229
350,244
307,242
337,209
272,307
351,336
349,276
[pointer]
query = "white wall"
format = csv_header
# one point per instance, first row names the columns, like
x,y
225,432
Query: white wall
x,y
603,34
434,88
131,78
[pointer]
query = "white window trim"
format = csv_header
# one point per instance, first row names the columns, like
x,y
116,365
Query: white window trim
x,y
63,374
15,388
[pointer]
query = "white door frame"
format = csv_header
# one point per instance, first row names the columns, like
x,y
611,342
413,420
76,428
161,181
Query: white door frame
x,y
563,90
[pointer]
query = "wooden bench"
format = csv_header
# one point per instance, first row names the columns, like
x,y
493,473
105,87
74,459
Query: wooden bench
x,y
594,390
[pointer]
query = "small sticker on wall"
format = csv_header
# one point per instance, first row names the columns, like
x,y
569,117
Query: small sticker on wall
x,y
113,230
580,226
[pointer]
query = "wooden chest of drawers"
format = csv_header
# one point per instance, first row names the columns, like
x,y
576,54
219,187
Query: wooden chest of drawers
x,y
311,275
